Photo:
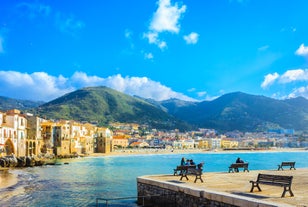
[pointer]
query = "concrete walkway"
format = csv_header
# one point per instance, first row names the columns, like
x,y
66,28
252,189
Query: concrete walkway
x,y
238,184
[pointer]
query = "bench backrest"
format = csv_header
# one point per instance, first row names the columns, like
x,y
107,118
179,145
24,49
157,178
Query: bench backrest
x,y
185,167
279,179
235,165
287,163
195,171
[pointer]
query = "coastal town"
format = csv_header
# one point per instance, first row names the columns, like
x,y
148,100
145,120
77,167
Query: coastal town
x,y
23,134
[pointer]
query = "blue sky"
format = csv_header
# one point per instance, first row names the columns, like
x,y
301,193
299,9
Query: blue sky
x,y
159,49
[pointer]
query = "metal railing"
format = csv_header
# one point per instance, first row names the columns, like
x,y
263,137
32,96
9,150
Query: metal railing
x,y
109,201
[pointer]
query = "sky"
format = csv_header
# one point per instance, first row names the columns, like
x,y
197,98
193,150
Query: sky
x,y
193,50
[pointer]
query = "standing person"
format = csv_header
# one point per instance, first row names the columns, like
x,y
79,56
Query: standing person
x,y
183,161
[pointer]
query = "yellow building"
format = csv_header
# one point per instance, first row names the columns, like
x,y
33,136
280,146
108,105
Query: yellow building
x,y
34,139
229,143
47,129
104,139
203,144
119,141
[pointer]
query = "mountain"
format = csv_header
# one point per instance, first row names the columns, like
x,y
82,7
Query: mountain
x,y
233,111
102,105
10,103
244,112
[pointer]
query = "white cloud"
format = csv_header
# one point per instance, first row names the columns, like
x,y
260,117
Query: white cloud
x,y
202,93
301,91
289,76
165,19
298,78
269,80
144,87
81,79
294,75
302,50
42,86
148,56
153,39
192,38
35,86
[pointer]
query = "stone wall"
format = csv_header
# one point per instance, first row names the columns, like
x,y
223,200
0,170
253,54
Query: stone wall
x,y
169,198
170,194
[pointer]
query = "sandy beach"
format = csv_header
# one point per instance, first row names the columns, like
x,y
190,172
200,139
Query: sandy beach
x,y
6,178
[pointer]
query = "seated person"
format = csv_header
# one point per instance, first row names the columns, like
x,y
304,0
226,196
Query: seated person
x,y
200,166
183,161
238,160
192,162
187,162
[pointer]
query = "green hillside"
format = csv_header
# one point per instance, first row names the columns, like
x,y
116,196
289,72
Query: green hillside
x,y
10,103
233,111
103,105
244,112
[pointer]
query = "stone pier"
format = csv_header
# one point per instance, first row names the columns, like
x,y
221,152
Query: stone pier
x,y
222,190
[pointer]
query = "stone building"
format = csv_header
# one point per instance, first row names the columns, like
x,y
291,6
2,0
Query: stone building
x,y
34,139
13,133
104,140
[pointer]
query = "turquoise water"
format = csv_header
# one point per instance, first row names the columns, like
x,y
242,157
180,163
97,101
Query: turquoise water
x,y
83,180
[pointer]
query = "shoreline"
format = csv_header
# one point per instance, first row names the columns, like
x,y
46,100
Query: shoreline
x,y
188,151
8,179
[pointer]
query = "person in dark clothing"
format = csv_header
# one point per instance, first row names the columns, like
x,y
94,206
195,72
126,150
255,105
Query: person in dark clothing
x,y
183,161
238,160
187,162
200,166
192,162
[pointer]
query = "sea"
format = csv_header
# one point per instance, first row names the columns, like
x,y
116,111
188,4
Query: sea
x,y
91,181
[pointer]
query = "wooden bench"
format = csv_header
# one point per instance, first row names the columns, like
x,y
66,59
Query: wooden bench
x,y
192,171
275,180
235,166
283,164
181,168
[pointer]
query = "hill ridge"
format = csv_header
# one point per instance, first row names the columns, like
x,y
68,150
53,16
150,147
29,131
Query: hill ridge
x,y
232,111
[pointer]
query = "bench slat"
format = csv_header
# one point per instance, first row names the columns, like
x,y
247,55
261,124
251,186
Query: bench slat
x,y
234,167
181,168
